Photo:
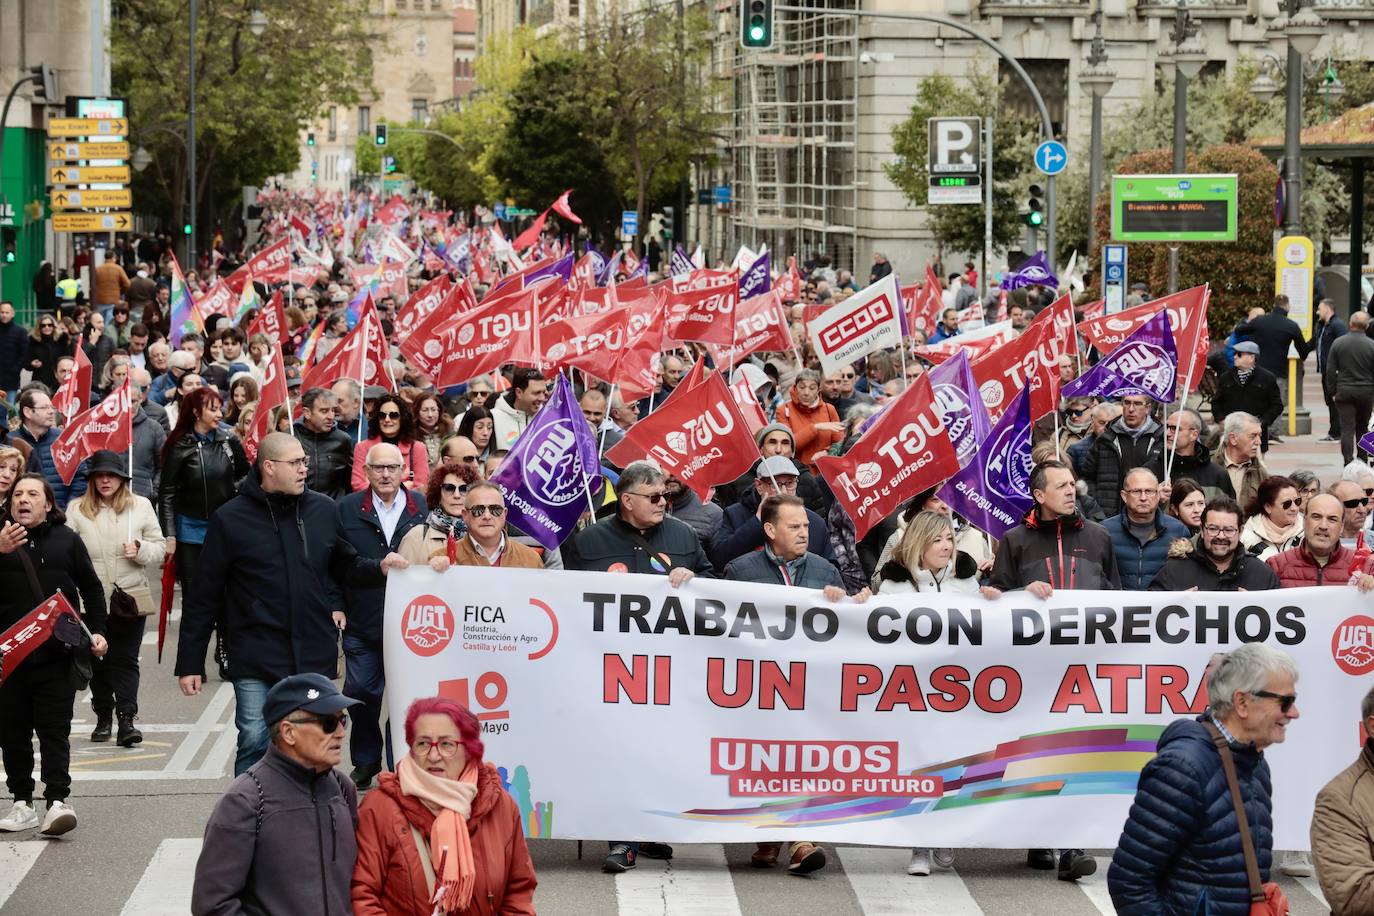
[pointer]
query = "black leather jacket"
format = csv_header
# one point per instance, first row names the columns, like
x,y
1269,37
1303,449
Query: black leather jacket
x,y
331,460
198,477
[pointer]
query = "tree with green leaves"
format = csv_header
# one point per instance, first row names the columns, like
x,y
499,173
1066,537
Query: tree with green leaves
x,y
254,93
961,228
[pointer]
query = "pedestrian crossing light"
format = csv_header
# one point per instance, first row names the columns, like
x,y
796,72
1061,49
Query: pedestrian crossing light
x,y
1035,209
10,238
381,135
756,24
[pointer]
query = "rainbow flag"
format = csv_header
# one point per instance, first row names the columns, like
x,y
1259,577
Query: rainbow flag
x,y
355,307
248,299
307,350
185,318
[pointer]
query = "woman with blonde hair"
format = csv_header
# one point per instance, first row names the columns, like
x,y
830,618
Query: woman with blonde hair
x,y
926,560
122,535
12,463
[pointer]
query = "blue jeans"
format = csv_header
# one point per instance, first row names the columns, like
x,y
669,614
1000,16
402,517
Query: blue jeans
x,y
364,680
249,695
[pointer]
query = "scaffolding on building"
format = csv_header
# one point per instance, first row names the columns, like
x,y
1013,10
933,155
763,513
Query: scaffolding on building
x,y
792,163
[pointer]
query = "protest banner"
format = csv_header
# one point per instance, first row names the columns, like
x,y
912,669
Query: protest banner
x,y
868,320
732,712
704,311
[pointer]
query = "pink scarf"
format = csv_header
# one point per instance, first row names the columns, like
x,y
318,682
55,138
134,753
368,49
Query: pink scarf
x,y
450,848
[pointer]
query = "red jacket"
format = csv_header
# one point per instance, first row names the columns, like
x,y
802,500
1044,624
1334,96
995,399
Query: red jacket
x,y
1296,567
389,879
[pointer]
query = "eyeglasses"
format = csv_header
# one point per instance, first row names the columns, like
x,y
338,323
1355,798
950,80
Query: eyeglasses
x,y
1213,531
1354,503
384,468
389,415
447,748
452,488
479,511
654,498
1141,494
327,723
1286,700
301,462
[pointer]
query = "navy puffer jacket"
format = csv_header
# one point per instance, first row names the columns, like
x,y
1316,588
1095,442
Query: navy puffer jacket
x,y
1180,851
1138,563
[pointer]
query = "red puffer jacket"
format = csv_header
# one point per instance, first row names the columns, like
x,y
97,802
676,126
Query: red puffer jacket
x,y
389,880
1297,567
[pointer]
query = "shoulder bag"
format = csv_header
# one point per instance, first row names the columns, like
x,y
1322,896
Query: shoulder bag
x,y
1266,899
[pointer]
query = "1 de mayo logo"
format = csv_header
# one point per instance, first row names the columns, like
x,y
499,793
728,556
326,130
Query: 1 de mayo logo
x,y
1352,645
427,625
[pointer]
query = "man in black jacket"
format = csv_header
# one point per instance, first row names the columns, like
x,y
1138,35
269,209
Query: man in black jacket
x,y
1330,328
1350,367
1215,561
1274,332
1249,388
328,448
1134,440
14,343
268,570
741,531
1183,432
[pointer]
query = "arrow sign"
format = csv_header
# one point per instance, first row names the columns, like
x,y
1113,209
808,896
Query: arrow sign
x,y
81,200
89,174
1051,157
59,152
92,222
88,127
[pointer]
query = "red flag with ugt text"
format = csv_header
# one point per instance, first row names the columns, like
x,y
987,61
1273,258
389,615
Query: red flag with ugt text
x,y
74,395
269,266
361,355
272,396
422,345
924,304
760,324
271,321
700,438
592,343
108,424
1065,336
748,404
635,371
702,311
498,331
423,302
906,451
1187,320
976,343
1030,361
31,631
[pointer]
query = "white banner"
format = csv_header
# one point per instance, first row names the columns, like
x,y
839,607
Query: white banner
x,y
621,708
868,320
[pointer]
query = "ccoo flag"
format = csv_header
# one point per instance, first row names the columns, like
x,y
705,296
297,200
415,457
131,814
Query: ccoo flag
x,y
551,469
1147,361
993,490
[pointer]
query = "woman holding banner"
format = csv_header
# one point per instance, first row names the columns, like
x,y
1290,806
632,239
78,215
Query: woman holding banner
x,y
926,560
441,835
120,531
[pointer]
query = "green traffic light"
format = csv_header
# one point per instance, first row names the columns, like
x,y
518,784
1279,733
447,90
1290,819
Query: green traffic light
x,y
9,257
186,229
1035,218
756,33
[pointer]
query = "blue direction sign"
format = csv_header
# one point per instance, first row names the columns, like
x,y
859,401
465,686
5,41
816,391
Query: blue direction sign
x,y
1051,157
499,210
629,223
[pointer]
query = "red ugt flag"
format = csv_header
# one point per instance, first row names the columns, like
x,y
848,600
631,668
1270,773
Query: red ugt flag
x,y
906,451
31,631
108,424
74,395
273,395
1187,320
361,355
1030,361
703,311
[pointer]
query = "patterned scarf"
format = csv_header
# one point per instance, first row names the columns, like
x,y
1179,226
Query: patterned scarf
x,y
440,520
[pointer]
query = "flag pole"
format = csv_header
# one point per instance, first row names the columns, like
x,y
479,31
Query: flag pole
x,y
362,364
130,416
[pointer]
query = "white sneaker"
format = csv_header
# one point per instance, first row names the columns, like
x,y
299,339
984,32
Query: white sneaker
x,y
944,857
60,819
920,862
20,817
1296,865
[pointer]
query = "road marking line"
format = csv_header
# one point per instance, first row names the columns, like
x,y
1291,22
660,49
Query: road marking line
x,y
85,762
15,861
1095,887
696,882
165,887
883,888
1309,884
221,754
181,760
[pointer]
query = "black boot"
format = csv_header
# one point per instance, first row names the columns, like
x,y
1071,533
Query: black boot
x,y
128,735
102,727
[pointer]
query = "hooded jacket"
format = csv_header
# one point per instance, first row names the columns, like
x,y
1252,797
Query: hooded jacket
x,y
280,840
508,422
331,460
1137,563
389,879
1115,452
802,420
1203,471
1192,568
1067,552
1180,851
1342,825
268,570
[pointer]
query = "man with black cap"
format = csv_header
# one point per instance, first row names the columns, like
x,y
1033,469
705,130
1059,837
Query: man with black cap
x,y
281,839
1249,388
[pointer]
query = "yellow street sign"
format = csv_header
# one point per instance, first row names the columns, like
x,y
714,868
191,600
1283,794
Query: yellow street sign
x,y
88,127
63,199
88,174
72,151
92,222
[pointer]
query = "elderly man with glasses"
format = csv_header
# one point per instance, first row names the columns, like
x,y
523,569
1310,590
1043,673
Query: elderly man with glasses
x,y
639,538
373,521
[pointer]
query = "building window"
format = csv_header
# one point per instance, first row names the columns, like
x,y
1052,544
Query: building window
x,y
401,4
1051,77
333,123
573,8
419,110
364,119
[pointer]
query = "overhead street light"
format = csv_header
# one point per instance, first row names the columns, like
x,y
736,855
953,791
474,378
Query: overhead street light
x,y
258,23
1097,78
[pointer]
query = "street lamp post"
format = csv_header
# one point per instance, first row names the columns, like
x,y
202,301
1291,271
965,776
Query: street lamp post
x,y
1097,78
1186,58
1304,29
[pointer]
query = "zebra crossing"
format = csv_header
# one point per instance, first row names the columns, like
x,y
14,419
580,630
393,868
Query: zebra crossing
x,y
701,880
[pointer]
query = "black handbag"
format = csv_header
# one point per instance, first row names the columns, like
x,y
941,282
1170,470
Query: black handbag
x,y
123,606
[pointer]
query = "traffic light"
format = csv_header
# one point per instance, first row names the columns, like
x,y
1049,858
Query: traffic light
x,y
46,79
756,24
381,135
1035,209
10,237
186,229
310,139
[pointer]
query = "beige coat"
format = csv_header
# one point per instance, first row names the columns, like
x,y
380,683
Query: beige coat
x,y
422,542
1343,838
105,535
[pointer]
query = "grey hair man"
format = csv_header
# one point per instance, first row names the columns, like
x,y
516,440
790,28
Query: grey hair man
x,y
1239,453
1181,843
179,363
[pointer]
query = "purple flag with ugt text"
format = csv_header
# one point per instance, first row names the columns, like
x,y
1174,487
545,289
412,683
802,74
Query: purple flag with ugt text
x,y
1144,363
961,409
993,490
758,279
681,262
1034,271
550,469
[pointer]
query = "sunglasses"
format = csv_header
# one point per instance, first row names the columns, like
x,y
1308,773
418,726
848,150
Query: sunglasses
x,y
389,415
478,395
327,723
1286,700
1287,503
654,498
479,511
452,488
1354,503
